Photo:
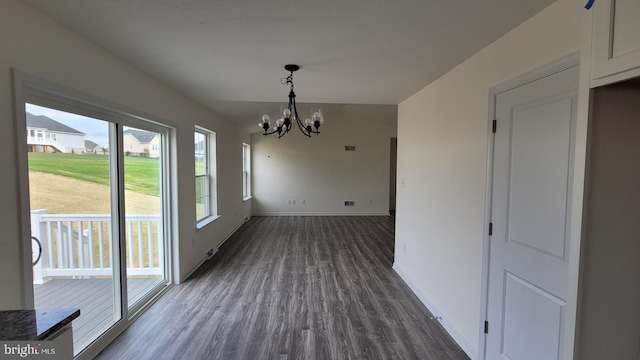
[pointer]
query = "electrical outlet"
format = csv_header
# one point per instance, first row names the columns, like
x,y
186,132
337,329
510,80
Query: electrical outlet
x,y
404,248
193,242
304,201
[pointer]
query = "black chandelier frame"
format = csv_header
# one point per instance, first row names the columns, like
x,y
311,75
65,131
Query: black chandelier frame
x,y
284,125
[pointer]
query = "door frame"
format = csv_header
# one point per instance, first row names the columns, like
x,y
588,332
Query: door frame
x,y
26,85
537,74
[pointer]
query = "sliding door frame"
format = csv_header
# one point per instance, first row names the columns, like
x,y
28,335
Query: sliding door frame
x,y
33,89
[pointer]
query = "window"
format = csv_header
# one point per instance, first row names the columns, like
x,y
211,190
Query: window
x,y
246,171
204,142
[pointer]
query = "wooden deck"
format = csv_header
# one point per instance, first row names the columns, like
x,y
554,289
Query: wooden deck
x,y
94,298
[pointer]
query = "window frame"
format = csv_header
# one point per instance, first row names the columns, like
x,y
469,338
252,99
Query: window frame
x,y
246,172
208,151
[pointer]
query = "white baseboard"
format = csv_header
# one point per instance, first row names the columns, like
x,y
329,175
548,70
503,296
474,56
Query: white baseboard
x,y
190,272
276,213
231,233
448,326
205,258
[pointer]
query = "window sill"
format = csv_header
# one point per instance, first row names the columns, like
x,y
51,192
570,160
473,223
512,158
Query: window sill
x,y
247,198
206,221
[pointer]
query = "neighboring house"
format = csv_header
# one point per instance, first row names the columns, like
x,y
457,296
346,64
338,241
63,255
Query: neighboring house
x,y
93,148
47,135
141,143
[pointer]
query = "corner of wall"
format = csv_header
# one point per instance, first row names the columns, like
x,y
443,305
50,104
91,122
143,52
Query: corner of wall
x,y
468,348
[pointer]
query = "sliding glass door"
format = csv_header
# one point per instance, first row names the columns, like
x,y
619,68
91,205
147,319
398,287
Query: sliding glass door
x,y
72,219
98,210
143,182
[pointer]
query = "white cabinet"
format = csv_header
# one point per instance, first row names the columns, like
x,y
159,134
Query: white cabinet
x,y
615,41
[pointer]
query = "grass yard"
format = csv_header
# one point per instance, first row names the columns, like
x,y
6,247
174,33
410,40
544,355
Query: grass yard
x,y
64,195
79,184
141,175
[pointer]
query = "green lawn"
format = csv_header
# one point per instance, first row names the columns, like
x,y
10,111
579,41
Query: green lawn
x,y
141,175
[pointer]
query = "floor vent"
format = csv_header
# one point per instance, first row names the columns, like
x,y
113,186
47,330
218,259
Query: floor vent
x,y
210,253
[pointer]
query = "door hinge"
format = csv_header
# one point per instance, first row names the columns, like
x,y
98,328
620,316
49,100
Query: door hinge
x,y
490,228
486,327
495,125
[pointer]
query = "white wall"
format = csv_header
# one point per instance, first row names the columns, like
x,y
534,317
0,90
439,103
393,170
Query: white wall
x,y
319,170
41,47
442,146
71,142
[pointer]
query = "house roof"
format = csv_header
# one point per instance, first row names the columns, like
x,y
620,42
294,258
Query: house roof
x,y
43,122
141,135
91,145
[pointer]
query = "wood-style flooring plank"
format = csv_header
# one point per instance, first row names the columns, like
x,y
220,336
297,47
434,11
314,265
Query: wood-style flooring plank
x,y
292,288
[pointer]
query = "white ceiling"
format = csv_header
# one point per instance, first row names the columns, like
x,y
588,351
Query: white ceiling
x,y
229,54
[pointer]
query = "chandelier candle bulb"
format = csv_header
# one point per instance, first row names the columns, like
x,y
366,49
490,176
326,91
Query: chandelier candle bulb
x,y
265,124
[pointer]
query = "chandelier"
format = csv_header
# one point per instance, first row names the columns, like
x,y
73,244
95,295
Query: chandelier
x,y
290,114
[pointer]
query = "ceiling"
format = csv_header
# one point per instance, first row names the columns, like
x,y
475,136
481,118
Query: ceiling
x,y
229,54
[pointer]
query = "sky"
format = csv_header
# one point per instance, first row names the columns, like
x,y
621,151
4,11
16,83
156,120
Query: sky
x,y
94,130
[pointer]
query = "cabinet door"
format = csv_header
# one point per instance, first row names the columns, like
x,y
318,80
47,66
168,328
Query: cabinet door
x,y
616,41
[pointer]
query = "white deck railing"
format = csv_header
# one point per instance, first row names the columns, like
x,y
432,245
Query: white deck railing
x,y
79,246
38,140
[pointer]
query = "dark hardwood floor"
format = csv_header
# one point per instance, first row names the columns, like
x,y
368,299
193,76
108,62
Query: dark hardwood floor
x,y
292,288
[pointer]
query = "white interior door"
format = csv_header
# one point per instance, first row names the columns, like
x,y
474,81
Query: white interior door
x,y
528,278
